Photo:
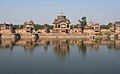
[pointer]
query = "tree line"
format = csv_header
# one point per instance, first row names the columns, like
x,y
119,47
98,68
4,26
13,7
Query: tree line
x,y
82,24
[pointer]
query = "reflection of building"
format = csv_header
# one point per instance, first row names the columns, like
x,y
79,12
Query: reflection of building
x,y
7,43
27,43
44,43
117,44
61,24
61,48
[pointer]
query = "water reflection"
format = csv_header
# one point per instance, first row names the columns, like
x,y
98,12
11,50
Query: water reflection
x,y
61,47
82,47
28,44
6,43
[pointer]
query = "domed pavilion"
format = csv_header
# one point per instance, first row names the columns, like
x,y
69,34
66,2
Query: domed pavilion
x,y
61,24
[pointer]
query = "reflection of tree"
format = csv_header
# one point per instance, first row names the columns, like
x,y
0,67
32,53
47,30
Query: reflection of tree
x,y
46,45
95,45
114,45
6,43
61,49
82,47
29,46
60,46
117,44
111,45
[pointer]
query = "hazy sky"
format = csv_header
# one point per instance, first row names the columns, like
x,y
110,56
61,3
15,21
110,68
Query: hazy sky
x,y
45,11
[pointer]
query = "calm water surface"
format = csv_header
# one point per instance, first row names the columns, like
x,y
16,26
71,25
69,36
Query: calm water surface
x,y
59,56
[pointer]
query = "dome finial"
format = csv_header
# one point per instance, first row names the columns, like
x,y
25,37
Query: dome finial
x,y
61,14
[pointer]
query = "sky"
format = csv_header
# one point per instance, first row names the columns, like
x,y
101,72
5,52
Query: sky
x,y
45,11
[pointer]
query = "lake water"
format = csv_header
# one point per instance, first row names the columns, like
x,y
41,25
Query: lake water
x,y
59,56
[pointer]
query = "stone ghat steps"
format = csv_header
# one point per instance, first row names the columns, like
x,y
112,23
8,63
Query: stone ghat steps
x,y
49,36
38,36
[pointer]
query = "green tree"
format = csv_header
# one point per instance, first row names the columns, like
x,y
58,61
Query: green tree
x,y
77,25
111,25
37,26
83,22
71,26
104,27
46,27
15,26
83,48
50,26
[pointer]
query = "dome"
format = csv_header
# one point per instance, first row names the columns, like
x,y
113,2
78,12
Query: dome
x,y
31,22
61,14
